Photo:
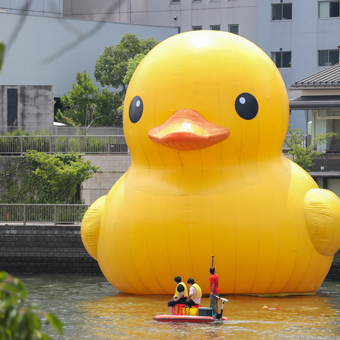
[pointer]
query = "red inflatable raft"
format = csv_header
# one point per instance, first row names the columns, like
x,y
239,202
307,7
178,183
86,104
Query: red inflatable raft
x,y
185,318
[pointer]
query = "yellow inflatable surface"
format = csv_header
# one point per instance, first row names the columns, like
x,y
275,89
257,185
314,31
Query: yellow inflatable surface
x,y
205,117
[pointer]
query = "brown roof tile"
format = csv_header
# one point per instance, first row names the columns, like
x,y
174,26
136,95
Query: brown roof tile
x,y
325,78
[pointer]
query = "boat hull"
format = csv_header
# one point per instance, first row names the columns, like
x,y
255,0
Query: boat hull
x,y
185,318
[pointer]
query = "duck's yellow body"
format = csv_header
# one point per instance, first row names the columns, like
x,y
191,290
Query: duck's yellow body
x,y
205,117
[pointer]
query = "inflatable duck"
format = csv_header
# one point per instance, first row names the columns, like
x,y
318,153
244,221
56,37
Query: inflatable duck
x,y
205,118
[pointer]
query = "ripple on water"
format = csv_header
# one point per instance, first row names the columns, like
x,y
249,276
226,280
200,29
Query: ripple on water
x,y
91,308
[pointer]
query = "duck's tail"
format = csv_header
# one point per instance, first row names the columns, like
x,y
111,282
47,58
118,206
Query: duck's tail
x,y
90,226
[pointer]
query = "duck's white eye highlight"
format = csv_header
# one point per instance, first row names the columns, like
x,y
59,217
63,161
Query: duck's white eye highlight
x,y
138,103
242,100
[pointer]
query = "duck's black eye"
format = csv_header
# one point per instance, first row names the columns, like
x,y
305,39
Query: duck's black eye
x,y
136,109
246,106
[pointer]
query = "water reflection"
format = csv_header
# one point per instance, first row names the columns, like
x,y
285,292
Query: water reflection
x,y
91,309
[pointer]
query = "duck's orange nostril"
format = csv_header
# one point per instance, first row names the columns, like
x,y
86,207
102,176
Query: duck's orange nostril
x,y
186,129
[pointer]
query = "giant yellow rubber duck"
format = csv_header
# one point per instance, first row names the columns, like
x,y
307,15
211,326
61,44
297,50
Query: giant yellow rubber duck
x,y
205,118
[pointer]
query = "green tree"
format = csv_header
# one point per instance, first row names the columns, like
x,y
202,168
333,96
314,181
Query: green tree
x,y
43,178
112,65
116,65
132,65
302,154
18,321
86,105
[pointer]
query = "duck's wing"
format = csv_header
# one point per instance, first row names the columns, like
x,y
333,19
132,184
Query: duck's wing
x,y
90,226
322,213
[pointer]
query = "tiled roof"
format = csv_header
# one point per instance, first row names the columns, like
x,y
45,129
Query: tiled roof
x,y
325,78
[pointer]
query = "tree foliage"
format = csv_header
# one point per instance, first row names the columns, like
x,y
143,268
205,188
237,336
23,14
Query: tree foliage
x,y
132,65
302,154
85,105
45,179
18,321
116,65
112,65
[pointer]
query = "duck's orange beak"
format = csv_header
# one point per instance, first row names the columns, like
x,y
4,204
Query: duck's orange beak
x,y
187,130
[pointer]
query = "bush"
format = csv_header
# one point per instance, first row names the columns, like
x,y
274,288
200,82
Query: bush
x,y
18,321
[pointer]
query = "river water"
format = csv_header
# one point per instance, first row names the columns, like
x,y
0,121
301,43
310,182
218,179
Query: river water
x,y
91,308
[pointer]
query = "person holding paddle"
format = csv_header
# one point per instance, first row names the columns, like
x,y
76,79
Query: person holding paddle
x,y
214,291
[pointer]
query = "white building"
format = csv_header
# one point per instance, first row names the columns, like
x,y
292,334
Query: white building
x,y
51,50
237,16
301,36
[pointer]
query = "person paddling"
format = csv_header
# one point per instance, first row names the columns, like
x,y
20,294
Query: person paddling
x,y
195,293
180,296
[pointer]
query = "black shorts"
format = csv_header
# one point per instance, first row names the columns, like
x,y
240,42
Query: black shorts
x,y
173,303
191,302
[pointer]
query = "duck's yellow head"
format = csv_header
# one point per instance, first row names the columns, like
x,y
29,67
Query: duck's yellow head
x,y
205,91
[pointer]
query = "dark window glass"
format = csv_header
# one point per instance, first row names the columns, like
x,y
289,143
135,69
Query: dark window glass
x,y
278,59
197,28
233,29
323,58
287,11
333,57
215,27
282,59
277,12
286,59
328,57
176,1
334,9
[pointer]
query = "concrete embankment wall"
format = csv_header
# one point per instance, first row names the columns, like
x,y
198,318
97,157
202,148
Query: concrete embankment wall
x,y
59,250
44,250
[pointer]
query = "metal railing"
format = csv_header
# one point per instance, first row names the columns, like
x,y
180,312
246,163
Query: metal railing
x,y
285,147
91,144
47,214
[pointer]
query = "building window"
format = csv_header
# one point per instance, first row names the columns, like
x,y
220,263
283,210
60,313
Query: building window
x,y
329,9
196,28
281,11
233,29
282,59
215,27
328,57
175,0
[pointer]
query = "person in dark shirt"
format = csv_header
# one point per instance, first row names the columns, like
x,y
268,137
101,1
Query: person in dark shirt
x,y
214,290
180,296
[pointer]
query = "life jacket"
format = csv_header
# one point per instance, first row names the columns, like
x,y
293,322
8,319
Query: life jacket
x,y
198,290
185,293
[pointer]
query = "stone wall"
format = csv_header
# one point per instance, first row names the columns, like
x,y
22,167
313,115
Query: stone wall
x,y
334,272
112,167
59,250
44,250
34,107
